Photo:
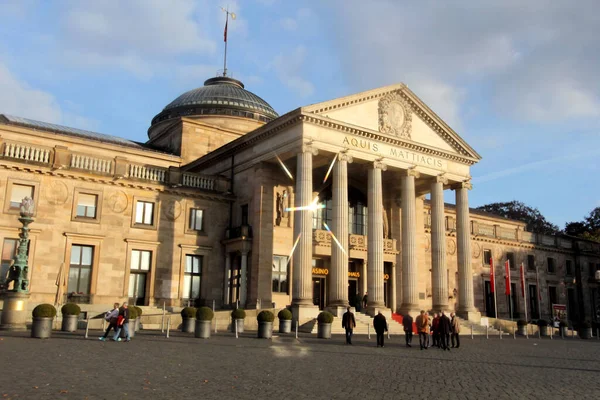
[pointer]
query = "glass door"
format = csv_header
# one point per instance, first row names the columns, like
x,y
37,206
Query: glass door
x,y
137,288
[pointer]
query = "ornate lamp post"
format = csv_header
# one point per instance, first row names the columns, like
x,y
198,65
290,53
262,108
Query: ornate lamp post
x,y
14,315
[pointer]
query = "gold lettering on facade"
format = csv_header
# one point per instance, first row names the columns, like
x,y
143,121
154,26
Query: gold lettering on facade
x,y
320,271
394,152
353,274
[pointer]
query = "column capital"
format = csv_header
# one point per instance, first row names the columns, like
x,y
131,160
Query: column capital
x,y
344,156
463,185
412,171
378,164
307,147
441,179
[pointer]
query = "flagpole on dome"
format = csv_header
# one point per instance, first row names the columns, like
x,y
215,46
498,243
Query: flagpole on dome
x,y
227,14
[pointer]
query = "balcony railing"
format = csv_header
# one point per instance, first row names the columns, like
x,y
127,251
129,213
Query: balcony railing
x,y
149,173
88,163
243,232
25,152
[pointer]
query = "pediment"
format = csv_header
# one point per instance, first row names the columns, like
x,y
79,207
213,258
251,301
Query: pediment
x,y
397,112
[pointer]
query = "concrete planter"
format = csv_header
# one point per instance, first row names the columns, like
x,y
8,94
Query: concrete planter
x,y
285,325
202,330
265,330
240,325
522,330
544,331
324,331
585,333
130,329
69,323
41,328
187,325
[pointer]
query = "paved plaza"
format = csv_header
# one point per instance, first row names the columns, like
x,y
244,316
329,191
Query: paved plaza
x,y
181,367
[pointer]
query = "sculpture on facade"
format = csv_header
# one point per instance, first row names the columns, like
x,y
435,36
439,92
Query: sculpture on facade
x,y
19,270
280,208
395,116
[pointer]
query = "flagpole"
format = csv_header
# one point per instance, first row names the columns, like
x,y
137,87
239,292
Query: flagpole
x,y
538,294
225,57
524,290
493,272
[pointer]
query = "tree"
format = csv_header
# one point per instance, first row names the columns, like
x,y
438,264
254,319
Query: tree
x,y
589,228
535,221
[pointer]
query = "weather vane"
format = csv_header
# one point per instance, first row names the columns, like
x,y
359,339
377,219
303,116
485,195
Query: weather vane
x,y
227,13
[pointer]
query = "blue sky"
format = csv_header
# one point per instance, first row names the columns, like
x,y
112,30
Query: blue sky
x,y
520,81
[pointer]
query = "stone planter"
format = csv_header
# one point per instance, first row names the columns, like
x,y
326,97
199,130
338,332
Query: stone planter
x,y
544,331
585,333
324,331
522,330
265,330
240,326
69,323
187,325
41,328
285,325
202,329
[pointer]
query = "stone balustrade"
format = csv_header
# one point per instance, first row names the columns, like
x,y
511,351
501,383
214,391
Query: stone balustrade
x,y
198,181
148,173
27,152
94,164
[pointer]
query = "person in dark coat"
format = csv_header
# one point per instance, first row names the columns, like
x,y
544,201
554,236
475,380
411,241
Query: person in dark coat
x,y
444,329
435,332
123,323
407,323
365,300
380,325
348,323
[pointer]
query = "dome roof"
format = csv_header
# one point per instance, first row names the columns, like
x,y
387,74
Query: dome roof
x,y
219,96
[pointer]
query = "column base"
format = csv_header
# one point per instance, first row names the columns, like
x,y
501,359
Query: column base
x,y
304,312
470,315
412,309
373,309
14,314
440,307
338,311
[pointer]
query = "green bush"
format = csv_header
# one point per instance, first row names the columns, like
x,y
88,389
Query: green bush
x,y
325,317
238,313
563,324
521,322
265,316
188,312
285,315
133,314
204,314
70,309
542,322
44,311
139,310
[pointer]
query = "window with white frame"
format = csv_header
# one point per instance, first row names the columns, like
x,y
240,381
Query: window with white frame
x,y
144,212
140,260
80,269
18,193
87,205
196,219
192,276
280,274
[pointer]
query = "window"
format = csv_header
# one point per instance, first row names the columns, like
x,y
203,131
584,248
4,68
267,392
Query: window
x,y
9,251
358,219
551,266
192,277
487,256
569,267
552,296
87,205
511,260
140,260
531,262
280,274
139,266
323,213
196,219
18,193
80,270
144,213
245,214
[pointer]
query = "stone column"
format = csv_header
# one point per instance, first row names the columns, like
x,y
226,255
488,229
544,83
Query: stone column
x,y
410,295
439,276
375,239
466,308
302,302
226,278
244,278
338,274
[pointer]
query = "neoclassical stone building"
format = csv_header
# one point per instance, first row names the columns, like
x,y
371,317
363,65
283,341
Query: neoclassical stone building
x,y
230,202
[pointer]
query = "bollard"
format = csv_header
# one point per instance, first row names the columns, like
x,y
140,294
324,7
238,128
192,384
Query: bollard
x,y
598,333
471,331
539,333
216,326
572,333
236,328
168,326
514,332
296,329
369,331
487,329
162,321
213,306
562,336
500,333
87,326
551,332
104,325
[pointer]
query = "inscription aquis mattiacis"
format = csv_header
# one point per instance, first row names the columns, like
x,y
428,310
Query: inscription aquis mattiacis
x,y
394,152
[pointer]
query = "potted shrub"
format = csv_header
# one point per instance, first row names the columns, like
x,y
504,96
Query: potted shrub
x,y
70,315
585,330
188,317
563,328
139,317
522,327
543,327
42,321
285,321
265,324
237,317
324,329
204,316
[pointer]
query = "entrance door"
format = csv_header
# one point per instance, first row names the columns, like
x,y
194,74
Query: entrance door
x,y
319,292
137,288
352,291
490,309
514,304
533,302
385,293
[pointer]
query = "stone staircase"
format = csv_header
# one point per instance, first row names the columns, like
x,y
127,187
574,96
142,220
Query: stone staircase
x,y
364,325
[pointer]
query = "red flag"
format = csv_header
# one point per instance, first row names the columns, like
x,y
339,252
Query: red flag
x,y
522,273
225,33
492,276
507,278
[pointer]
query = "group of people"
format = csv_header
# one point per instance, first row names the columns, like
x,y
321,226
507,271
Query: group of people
x,y
439,331
379,323
118,319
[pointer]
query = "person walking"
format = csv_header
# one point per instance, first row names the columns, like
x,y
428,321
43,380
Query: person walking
x,y
123,323
348,323
444,329
365,300
435,329
422,324
407,323
111,317
380,325
455,324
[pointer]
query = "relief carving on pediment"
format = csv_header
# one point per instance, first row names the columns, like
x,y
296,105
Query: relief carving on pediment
x,y
395,115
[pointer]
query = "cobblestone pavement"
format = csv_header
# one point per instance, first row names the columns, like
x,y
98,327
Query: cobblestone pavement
x,y
181,367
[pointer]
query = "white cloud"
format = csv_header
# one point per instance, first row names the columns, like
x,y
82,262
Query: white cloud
x,y
289,68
